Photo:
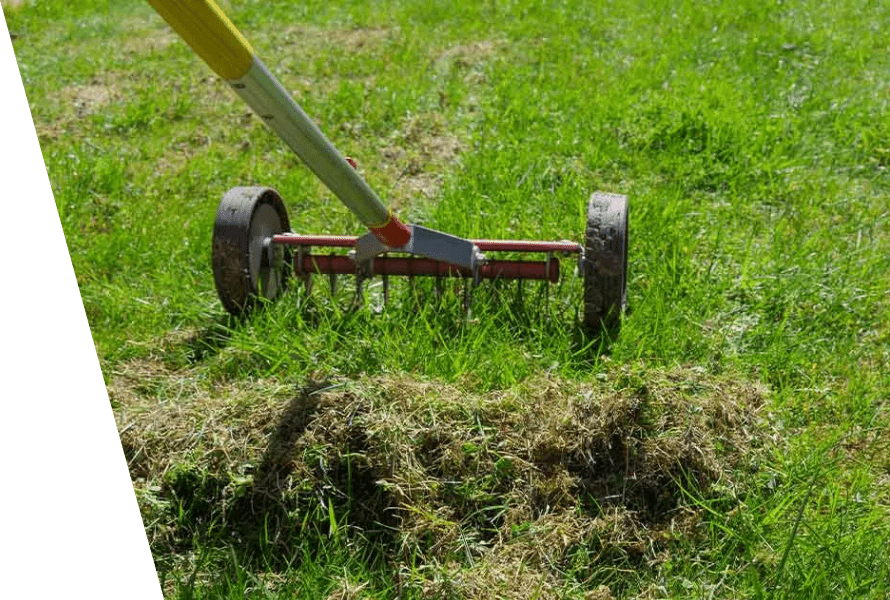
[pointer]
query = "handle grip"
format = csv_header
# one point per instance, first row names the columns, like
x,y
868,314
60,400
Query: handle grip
x,y
210,33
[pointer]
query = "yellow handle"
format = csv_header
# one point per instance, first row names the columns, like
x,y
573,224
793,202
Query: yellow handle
x,y
206,28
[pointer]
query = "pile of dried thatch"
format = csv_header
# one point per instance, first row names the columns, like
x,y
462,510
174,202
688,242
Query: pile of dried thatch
x,y
495,493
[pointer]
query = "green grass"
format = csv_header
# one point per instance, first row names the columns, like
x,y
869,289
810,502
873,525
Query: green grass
x,y
751,138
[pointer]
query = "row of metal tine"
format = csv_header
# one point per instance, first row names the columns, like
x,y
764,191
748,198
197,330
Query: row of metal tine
x,y
364,273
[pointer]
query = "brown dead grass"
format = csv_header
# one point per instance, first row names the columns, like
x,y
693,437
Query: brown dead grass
x,y
348,590
168,419
417,158
409,165
467,58
495,493
311,40
292,48
90,97
141,36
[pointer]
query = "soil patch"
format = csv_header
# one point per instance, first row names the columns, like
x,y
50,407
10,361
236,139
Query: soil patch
x,y
89,98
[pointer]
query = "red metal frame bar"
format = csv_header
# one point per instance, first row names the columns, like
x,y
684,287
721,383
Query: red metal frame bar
x,y
411,266
526,246
328,241
348,241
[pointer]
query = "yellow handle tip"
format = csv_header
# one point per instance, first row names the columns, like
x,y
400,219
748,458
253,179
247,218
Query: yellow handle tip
x,y
210,33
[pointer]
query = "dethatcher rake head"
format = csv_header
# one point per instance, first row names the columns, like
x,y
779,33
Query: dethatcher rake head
x,y
254,254
254,250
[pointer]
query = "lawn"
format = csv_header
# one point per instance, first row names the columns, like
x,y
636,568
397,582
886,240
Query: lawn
x,y
730,442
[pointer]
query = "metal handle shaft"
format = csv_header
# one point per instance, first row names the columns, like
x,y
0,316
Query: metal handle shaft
x,y
204,26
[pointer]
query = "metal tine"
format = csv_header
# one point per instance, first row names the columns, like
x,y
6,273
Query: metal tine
x,y
547,285
543,296
332,277
361,273
364,271
307,275
468,297
470,286
299,264
495,290
385,279
359,290
412,284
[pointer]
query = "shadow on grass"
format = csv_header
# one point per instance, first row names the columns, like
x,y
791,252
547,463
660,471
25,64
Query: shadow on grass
x,y
213,338
279,518
399,468
210,340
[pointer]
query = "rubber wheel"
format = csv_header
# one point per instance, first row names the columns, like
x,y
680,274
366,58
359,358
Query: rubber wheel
x,y
605,262
246,265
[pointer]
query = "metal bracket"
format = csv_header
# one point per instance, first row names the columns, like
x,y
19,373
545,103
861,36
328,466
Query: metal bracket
x,y
366,248
582,259
425,242
267,259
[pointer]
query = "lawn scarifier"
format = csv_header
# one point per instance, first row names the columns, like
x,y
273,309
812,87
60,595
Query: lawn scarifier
x,y
254,250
